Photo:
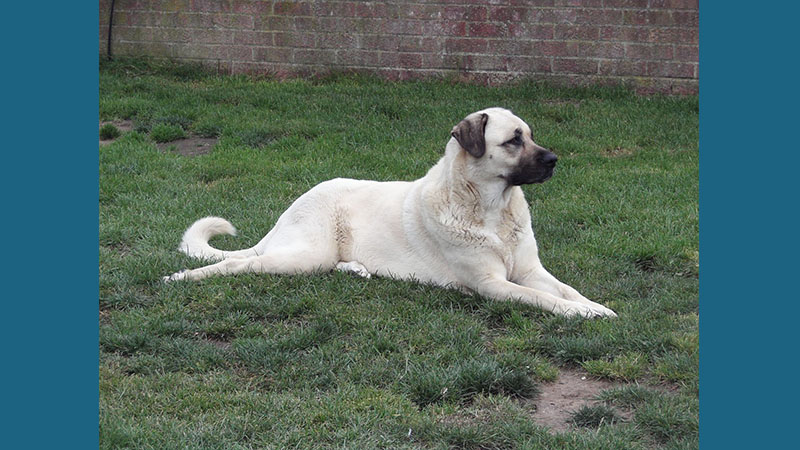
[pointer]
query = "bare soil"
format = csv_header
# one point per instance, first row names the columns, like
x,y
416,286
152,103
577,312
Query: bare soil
x,y
191,146
122,125
557,400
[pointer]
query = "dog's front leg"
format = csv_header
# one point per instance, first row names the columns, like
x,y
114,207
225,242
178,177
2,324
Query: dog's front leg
x,y
541,279
499,288
529,272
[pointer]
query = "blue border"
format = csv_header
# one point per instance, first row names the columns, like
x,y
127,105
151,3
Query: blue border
x,y
748,166
50,224
748,230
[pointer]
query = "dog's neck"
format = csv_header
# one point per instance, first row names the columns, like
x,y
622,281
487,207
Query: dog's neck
x,y
491,195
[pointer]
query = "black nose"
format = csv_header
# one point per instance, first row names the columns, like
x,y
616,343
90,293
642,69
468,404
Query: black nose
x,y
548,158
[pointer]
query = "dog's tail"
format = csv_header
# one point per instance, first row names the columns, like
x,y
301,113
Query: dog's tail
x,y
195,240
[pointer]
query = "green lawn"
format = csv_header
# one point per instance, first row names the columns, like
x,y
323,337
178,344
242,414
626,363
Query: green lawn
x,y
332,360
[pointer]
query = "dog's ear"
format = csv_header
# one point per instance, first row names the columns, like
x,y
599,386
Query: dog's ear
x,y
469,134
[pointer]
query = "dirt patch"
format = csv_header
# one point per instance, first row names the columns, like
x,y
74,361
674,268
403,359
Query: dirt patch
x,y
618,152
557,400
122,125
224,345
193,146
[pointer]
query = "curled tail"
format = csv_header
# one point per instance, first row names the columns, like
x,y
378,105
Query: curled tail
x,y
195,240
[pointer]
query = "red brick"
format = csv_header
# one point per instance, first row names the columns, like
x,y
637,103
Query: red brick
x,y
583,3
443,28
421,12
339,24
508,14
135,5
402,26
485,30
209,6
212,36
686,18
295,40
410,60
687,53
380,42
465,45
530,64
557,16
237,21
336,40
635,17
674,4
531,30
574,66
460,62
648,52
291,8
618,67
601,50
240,52
599,16
511,46
247,37
626,3
670,69
272,54
582,32
251,7
624,34
313,56
355,57
554,48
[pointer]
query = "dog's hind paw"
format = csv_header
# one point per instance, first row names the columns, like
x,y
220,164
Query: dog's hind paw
x,y
175,276
353,267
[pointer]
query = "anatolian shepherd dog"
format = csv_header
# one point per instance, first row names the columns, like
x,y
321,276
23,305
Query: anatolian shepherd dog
x,y
465,224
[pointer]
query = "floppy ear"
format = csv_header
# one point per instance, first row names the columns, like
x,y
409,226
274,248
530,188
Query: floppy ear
x,y
469,134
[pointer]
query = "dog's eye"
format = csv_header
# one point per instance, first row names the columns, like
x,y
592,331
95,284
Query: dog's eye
x,y
516,141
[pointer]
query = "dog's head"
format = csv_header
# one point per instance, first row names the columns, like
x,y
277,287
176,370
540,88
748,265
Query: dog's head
x,y
501,145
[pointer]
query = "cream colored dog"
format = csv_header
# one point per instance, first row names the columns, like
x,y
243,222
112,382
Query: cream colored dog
x,y
465,224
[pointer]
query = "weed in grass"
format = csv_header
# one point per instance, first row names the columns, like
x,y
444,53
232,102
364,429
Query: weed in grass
x,y
466,379
627,367
628,396
593,416
164,132
109,131
259,137
667,418
206,129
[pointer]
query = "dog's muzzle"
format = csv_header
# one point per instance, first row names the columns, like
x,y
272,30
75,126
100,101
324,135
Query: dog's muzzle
x,y
536,169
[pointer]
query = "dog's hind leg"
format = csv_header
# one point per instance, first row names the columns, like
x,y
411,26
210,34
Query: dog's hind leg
x,y
353,267
285,261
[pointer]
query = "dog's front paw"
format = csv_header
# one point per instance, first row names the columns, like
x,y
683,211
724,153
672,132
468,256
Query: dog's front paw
x,y
588,311
177,276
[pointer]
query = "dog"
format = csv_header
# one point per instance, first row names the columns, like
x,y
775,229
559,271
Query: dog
x,y
464,225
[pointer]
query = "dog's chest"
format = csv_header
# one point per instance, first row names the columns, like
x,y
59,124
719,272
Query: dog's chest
x,y
504,232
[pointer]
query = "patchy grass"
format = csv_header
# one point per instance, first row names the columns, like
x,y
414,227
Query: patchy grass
x,y
627,367
109,131
594,416
255,361
164,132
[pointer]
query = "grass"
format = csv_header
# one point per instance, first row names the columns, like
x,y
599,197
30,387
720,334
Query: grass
x,y
109,131
332,360
164,132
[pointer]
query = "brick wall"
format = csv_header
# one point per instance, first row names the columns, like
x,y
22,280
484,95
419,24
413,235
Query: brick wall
x,y
649,44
